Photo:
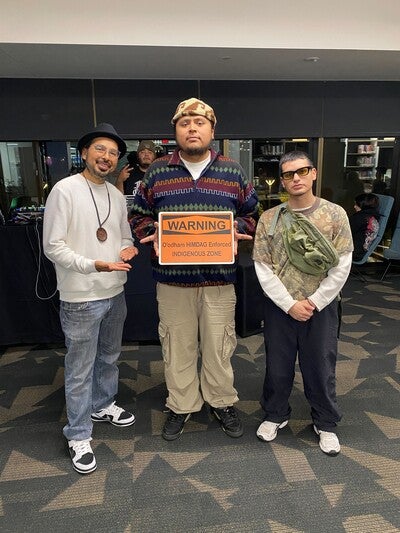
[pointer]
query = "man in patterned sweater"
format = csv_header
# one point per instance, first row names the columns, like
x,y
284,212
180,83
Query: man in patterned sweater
x,y
196,303
301,310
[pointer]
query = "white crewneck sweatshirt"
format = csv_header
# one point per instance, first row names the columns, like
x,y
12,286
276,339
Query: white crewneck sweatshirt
x,y
70,242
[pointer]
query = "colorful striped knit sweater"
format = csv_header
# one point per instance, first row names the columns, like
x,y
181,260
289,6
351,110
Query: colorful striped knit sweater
x,y
168,186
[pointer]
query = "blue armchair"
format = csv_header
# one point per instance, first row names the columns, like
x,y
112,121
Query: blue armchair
x,y
385,207
393,252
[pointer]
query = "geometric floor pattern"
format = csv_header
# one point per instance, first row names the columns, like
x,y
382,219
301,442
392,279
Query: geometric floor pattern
x,y
206,481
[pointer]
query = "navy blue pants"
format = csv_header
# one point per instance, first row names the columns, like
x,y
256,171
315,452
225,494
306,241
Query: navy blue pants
x,y
315,344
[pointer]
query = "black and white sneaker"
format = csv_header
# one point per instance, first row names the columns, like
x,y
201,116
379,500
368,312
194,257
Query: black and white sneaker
x,y
229,420
82,456
115,415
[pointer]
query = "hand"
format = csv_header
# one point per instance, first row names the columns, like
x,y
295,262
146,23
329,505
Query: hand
x,y
152,238
128,253
104,266
124,173
302,310
239,237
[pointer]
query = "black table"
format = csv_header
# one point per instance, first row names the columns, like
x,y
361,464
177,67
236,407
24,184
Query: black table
x,y
249,298
25,318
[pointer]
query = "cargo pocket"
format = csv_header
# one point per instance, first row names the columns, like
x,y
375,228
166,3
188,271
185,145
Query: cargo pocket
x,y
165,342
230,342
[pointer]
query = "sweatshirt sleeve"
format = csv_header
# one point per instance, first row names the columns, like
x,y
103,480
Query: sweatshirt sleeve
x,y
126,234
56,220
247,214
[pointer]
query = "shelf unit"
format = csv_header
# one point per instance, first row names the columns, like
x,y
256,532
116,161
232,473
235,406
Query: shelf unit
x,y
361,155
266,156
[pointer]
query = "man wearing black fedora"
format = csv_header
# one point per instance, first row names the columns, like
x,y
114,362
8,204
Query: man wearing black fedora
x,y
87,236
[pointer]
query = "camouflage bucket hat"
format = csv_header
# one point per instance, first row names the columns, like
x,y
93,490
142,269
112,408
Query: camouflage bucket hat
x,y
193,106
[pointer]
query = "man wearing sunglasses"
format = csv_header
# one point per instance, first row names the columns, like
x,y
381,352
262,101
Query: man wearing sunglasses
x,y
301,309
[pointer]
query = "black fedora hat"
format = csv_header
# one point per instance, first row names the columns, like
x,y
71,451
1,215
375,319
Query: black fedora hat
x,y
102,130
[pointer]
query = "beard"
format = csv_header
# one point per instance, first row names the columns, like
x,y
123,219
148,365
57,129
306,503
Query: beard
x,y
200,150
97,173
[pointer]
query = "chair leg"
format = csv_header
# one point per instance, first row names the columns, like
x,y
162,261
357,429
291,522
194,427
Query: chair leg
x,y
356,272
386,270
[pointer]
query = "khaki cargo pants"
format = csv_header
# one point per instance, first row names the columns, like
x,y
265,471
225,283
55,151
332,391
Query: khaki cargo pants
x,y
197,322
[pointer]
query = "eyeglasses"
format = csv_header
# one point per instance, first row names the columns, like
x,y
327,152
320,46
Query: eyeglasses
x,y
101,149
301,172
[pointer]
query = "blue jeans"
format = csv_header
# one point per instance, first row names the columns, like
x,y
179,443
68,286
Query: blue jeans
x,y
93,335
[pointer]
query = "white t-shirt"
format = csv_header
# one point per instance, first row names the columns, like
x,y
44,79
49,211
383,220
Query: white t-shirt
x,y
196,169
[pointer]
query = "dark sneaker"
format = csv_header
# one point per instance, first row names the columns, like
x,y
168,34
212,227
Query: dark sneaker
x,y
174,425
229,420
115,415
83,459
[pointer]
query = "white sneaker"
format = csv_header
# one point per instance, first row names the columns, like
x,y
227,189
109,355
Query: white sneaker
x,y
328,441
268,430
115,415
83,459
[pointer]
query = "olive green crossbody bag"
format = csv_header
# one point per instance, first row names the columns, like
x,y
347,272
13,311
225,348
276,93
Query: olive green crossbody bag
x,y
307,248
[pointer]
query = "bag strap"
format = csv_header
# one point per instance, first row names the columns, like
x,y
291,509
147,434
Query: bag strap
x,y
274,221
288,218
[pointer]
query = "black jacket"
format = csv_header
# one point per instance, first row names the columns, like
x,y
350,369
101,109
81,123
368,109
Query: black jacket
x,y
364,227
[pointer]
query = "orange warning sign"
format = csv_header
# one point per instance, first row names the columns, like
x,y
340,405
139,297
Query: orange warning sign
x,y
195,238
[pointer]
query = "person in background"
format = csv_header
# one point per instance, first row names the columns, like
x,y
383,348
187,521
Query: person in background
x,y
87,236
301,310
364,223
196,303
132,173
353,185
379,185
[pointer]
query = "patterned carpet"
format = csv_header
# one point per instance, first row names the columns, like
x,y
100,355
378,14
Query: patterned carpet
x,y
206,481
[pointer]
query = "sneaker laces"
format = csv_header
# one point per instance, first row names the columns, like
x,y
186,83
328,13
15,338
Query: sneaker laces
x,y
329,438
229,415
175,416
113,410
81,447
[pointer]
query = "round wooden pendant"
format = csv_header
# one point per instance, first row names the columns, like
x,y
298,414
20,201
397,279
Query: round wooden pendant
x,y
101,234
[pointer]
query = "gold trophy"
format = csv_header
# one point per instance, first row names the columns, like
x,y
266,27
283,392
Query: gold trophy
x,y
269,182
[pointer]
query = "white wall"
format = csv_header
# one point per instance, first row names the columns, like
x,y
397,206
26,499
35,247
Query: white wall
x,y
313,24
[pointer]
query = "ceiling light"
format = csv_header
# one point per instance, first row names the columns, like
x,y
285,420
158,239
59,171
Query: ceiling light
x,y
312,59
